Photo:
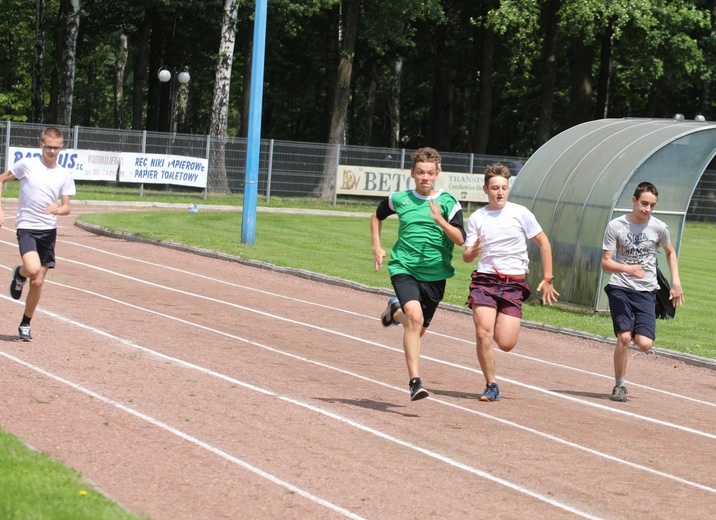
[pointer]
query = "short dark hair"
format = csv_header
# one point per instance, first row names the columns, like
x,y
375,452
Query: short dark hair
x,y
496,170
645,186
427,154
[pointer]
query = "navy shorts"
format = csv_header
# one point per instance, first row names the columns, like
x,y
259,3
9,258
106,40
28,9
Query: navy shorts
x,y
499,292
632,311
429,294
42,241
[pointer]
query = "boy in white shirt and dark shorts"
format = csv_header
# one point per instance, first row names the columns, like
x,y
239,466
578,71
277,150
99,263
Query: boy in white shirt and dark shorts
x,y
43,183
498,233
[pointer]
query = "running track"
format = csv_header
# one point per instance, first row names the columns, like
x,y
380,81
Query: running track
x,y
189,387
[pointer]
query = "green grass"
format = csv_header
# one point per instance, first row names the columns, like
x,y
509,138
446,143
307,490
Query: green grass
x,y
34,486
341,247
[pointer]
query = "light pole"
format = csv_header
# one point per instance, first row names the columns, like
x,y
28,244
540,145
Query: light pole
x,y
165,75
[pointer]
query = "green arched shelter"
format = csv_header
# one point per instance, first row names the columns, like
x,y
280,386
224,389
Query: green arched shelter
x,y
584,177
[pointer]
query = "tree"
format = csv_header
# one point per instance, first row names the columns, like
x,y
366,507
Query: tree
x,y
349,15
217,181
70,23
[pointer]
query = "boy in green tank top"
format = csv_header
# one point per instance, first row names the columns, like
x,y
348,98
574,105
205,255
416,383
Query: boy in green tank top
x,y
430,225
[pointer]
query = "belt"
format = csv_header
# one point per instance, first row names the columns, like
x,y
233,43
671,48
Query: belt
x,y
509,278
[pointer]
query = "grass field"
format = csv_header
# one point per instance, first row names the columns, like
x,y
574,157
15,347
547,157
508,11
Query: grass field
x,y
340,246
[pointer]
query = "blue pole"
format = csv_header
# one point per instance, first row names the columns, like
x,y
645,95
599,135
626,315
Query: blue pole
x,y
253,144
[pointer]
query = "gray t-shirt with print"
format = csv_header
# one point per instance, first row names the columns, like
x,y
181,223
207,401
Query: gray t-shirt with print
x,y
636,244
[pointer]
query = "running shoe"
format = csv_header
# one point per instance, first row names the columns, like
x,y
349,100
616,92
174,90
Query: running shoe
x,y
619,394
491,393
387,317
417,391
23,333
18,282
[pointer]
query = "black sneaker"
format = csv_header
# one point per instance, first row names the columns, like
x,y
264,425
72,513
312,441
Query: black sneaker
x,y
619,394
491,393
387,317
23,333
416,389
18,282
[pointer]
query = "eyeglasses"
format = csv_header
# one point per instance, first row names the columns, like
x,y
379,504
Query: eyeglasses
x,y
51,148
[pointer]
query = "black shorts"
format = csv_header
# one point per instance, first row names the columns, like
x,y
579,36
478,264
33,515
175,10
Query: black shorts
x,y
42,241
429,294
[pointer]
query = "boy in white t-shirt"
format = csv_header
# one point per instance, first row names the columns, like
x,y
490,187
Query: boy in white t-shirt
x,y
43,183
498,233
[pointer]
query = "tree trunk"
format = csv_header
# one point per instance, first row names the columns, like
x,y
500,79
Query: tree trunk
x,y
119,68
217,181
141,62
707,95
442,108
38,69
370,105
580,93
601,110
348,33
549,71
394,103
71,25
484,102
246,88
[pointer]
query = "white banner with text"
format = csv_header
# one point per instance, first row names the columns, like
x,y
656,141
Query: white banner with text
x,y
91,165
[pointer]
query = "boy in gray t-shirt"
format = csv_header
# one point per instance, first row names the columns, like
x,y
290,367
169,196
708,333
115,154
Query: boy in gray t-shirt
x,y
629,253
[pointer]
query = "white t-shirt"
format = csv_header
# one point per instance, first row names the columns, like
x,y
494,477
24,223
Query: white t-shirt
x,y
40,186
504,233
636,244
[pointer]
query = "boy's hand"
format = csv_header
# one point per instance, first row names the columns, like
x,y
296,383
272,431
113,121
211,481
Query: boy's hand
x,y
635,270
378,256
549,293
676,295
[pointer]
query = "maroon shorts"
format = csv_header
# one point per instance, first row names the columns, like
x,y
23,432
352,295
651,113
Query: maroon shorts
x,y
502,293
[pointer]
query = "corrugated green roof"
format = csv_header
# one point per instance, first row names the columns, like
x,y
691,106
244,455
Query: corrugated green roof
x,y
582,178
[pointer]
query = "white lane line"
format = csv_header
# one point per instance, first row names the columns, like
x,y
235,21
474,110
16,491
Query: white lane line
x,y
353,313
188,437
379,345
327,413
352,374
346,311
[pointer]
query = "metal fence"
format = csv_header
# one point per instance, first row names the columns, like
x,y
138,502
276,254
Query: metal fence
x,y
287,168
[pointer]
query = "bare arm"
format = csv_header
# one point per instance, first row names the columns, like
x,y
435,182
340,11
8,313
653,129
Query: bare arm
x,y
676,295
376,226
549,293
62,209
451,231
612,266
472,252
4,177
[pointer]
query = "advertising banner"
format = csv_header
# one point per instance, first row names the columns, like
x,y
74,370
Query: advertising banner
x,y
141,168
377,182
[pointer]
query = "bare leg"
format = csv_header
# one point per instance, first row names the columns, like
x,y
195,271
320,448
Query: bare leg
x,y
411,317
484,318
621,354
